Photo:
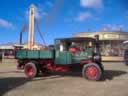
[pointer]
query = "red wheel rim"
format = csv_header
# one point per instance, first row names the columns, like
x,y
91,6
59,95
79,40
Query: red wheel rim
x,y
91,72
29,70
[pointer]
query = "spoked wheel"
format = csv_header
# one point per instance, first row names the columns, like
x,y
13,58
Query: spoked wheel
x,y
31,70
92,71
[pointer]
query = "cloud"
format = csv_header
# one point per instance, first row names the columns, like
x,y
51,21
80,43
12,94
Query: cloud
x,y
39,12
113,27
82,16
6,24
117,27
92,3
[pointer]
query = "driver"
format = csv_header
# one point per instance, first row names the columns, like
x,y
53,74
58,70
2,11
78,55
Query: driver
x,y
73,48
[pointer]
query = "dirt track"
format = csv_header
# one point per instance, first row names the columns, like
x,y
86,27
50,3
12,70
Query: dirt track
x,y
14,83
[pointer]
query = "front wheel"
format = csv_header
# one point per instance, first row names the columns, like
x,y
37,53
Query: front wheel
x,y
92,71
31,70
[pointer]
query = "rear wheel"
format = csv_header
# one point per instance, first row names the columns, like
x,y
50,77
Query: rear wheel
x,y
31,70
92,71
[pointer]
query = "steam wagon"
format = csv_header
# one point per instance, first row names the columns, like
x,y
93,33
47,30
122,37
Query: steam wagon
x,y
66,54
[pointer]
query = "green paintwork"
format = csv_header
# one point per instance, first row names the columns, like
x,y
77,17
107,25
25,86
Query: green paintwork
x,y
60,53
82,55
46,54
34,54
63,57
70,58
21,54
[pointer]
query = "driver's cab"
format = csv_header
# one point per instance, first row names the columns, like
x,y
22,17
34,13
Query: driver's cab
x,y
73,50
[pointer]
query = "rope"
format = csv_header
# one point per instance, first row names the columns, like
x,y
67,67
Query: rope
x,y
38,29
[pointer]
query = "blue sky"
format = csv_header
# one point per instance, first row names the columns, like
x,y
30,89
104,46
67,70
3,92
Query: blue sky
x,y
61,18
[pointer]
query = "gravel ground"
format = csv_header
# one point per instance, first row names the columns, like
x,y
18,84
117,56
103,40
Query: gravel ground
x,y
14,83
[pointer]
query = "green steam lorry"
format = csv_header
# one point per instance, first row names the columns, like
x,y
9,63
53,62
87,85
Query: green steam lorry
x,y
66,54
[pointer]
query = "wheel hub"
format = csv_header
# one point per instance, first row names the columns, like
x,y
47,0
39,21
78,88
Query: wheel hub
x,y
91,72
30,70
